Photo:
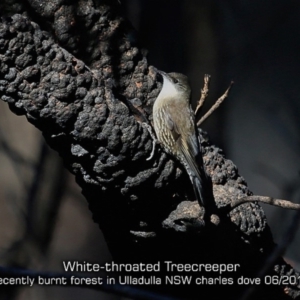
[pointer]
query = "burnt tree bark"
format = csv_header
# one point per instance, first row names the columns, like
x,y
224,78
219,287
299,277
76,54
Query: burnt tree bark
x,y
76,71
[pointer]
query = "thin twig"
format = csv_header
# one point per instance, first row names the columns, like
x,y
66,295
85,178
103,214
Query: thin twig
x,y
204,93
216,105
268,200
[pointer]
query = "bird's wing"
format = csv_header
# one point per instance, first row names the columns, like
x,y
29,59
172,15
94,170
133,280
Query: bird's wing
x,y
191,151
188,148
185,138
171,126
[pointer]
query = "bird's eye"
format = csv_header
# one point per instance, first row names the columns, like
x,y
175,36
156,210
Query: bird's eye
x,y
175,80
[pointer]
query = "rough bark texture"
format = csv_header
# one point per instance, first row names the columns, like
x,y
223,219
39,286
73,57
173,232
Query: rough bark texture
x,y
80,78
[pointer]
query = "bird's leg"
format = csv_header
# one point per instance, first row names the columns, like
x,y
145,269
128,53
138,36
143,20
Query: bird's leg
x,y
154,139
142,119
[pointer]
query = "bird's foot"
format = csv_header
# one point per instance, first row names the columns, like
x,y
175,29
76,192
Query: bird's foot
x,y
154,139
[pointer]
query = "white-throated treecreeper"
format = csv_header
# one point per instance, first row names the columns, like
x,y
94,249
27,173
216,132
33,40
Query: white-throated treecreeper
x,y
174,125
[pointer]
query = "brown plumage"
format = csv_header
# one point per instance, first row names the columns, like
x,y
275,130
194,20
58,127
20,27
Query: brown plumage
x,y
174,124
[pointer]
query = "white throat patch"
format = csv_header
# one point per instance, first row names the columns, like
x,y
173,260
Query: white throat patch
x,y
169,89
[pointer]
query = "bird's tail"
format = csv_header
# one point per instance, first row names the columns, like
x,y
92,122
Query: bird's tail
x,y
198,189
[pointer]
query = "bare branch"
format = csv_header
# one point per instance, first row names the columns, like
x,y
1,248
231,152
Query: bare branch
x,y
268,200
204,93
216,105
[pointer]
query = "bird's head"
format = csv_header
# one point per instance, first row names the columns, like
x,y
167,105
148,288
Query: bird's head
x,y
175,86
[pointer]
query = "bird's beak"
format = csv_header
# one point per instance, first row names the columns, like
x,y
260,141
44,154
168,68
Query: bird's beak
x,y
163,74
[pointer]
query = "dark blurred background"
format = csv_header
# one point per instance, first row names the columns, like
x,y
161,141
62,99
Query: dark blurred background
x,y
45,219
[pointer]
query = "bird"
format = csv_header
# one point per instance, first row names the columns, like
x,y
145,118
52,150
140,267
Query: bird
x,y
175,128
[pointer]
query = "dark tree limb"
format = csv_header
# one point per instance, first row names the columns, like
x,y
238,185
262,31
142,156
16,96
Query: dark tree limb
x,y
77,80
276,253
